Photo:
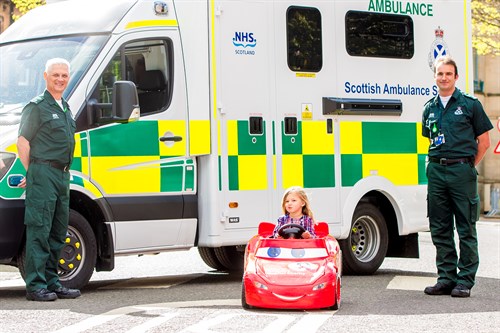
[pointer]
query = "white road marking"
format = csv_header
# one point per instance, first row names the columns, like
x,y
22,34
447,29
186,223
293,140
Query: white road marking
x,y
309,323
411,282
204,325
152,323
279,324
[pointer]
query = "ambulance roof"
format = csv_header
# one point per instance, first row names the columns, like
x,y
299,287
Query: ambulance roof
x,y
68,17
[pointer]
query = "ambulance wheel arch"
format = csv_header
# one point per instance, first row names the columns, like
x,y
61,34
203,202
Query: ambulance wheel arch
x,y
371,209
78,256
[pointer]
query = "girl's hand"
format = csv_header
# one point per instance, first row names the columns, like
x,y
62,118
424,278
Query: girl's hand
x,y
306,235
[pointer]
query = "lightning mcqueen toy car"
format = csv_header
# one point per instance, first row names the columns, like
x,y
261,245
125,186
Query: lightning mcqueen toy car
x,y
291,273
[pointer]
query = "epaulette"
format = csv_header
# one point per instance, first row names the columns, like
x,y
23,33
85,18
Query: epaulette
x,y
37,99
469,96
429,101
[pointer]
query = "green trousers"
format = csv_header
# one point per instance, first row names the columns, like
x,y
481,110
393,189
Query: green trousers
x,y
46,219
453,201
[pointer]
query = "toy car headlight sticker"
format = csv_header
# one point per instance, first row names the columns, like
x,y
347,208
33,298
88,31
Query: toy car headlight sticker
x,y
298,253
287,253
273,252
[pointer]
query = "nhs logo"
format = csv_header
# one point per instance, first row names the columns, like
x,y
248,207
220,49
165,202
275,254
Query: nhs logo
x,y
244,40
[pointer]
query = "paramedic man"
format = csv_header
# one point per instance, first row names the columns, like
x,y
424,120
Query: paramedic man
x,y
45,145
457,128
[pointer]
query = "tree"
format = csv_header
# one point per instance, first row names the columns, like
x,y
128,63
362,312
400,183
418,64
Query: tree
x,y
486,26
25,6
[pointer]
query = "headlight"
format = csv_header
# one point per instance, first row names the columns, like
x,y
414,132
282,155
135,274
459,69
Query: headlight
x,y
319,286
6,161
260,285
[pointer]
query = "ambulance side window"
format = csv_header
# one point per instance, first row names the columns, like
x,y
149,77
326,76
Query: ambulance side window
x,y
147,63
304,44
370,34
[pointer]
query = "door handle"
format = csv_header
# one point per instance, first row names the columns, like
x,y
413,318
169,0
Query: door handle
x,y
171,138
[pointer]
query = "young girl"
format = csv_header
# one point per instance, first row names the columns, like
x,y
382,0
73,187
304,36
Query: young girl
x,y
297,210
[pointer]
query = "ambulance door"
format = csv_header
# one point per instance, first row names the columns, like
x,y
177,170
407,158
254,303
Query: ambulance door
x,y
305,73
245,50
141,167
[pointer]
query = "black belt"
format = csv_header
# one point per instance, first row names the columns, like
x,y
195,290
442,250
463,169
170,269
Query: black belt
x,y
450,161
54,164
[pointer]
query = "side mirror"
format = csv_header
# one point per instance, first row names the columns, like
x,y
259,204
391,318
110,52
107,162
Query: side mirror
x,y
124,109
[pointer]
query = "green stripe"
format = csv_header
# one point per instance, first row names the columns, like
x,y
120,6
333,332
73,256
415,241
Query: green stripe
x,y
76,164
232,162
250,144
387,138
138,138
319,171
352,168
422,176
171,178
292,144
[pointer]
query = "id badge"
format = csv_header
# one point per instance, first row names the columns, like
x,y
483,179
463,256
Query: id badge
x,y
439,140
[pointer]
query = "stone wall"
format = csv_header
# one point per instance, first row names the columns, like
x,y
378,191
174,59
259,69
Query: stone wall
x,y
488,71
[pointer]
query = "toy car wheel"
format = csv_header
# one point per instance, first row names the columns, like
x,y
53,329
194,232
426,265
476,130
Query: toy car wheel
x,y
291,230
337,296
244,303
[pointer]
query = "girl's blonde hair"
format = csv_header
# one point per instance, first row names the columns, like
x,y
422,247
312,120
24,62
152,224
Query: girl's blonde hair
x,y
299,191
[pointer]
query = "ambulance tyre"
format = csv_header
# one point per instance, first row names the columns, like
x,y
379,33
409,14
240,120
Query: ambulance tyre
x,y
364,250
230,258
207,254
78,256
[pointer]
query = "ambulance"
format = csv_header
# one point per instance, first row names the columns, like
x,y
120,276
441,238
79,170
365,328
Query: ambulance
x,y
194,116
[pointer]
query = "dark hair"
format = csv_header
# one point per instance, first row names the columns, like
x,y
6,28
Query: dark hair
x,y
446,60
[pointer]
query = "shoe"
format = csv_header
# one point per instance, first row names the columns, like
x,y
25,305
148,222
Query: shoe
x,y
438,289
63,292
41,295
460,291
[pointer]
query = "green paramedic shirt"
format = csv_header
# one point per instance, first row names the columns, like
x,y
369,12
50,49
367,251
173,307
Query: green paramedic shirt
x,y
461,122
49,130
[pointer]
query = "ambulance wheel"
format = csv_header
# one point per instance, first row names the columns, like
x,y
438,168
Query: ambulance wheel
x,y
207,254
364,250
230,258
78,255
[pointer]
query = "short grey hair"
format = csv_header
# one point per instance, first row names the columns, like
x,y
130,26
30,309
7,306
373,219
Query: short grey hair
x,y
56,61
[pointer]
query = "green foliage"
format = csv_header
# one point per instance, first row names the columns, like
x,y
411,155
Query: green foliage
x,y
25,6
486,26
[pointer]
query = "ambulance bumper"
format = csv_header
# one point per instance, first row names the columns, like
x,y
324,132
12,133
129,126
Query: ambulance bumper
x,y
11,228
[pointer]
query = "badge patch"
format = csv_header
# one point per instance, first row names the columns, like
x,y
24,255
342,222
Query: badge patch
x,y
459,111
55,116
438,48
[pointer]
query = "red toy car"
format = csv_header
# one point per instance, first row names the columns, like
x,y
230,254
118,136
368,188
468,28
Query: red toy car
x,y
291,273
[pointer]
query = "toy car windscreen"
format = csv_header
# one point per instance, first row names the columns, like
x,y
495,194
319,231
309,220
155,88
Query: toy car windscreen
x,y
288,253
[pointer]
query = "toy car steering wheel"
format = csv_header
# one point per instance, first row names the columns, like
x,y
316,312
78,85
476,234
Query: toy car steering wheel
x,y
291,230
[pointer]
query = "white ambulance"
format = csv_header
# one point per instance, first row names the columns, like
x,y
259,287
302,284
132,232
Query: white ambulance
x,y
194,116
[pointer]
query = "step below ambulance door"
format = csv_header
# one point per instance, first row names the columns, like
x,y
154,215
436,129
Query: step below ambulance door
x,y
141,167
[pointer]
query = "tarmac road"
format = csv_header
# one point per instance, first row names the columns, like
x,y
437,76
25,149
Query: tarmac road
x,y
177,292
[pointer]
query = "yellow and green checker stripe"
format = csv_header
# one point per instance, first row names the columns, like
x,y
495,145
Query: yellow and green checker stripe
x,y
247,161
129,158
393,150
308,156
